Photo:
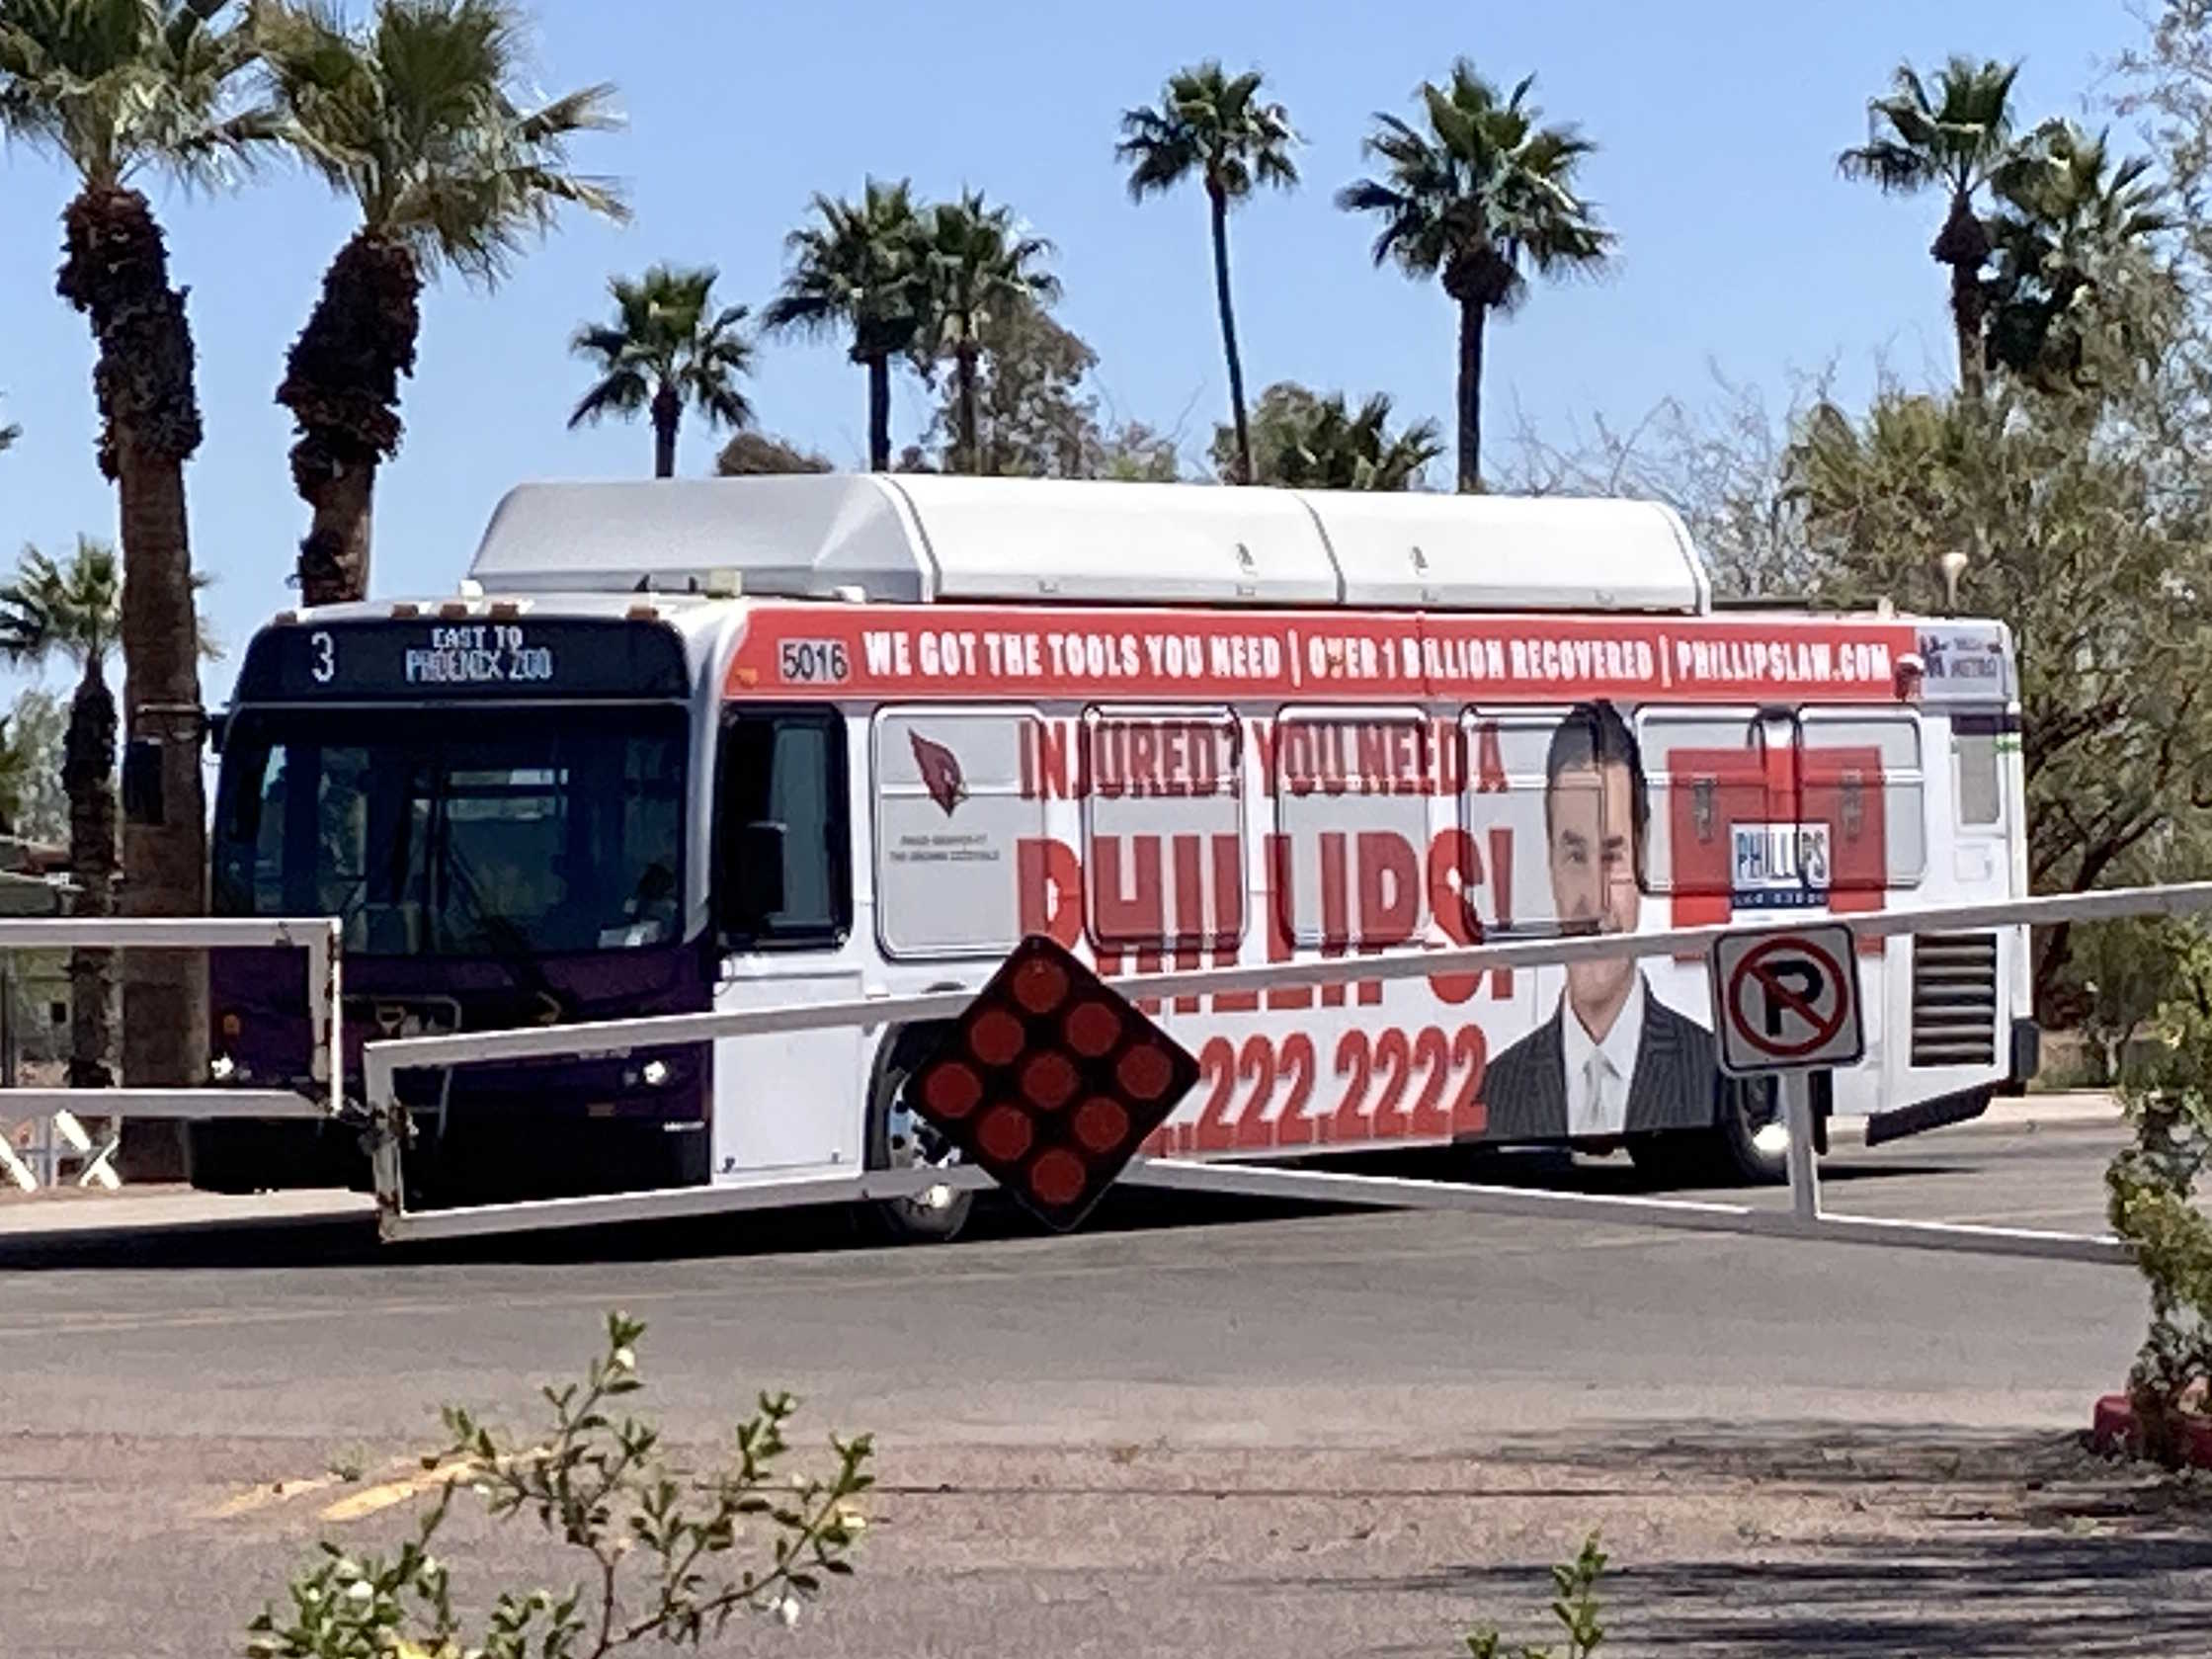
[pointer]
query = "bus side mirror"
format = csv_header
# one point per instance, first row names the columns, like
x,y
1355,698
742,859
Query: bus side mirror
x,y
752,877
218,726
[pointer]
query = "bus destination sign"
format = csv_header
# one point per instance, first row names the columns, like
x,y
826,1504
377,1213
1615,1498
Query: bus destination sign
x,y
430,659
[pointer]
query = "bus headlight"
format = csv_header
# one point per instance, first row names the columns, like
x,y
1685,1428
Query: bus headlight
x,y
655,1073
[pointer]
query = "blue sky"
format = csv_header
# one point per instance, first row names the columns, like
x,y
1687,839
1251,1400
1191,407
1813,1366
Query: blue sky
x,y
1718,122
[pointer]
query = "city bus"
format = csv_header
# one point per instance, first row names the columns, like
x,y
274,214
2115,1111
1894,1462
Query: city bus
x,y
731,744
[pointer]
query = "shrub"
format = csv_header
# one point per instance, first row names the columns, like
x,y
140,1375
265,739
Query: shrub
x,y
2151,1187
1574,1605
604,1487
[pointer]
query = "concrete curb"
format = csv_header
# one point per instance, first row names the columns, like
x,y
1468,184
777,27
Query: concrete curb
x,y
2027,1113
143,1209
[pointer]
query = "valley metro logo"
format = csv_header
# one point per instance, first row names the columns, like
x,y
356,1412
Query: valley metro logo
x,y
941,772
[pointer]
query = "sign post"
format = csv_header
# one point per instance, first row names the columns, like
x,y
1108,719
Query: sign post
x,y
1786,1005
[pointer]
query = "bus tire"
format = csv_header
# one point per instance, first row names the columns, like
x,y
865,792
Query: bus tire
x,y
898,1140
1737,1151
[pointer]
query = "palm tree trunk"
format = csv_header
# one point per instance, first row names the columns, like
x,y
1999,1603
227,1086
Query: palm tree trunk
x,y
88,766
342,387
971,444
1473,315
165,837
1963,244
116,272
668,414
1966,320
879,414
1220,209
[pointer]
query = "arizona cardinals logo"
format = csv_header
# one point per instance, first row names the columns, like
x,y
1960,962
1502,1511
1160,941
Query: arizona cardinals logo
x,y
941,772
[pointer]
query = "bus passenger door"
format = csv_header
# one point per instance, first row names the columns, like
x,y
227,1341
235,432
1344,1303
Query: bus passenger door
x,y
783,917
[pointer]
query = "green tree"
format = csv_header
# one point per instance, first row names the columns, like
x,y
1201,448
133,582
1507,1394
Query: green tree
x,y
1216,128
116,90
860,272
1302,439
416,118
37,739
978,266
1132,453
1484,197
2074,538
2072,229
754,453
1032,413
74,611
667,348
1956,140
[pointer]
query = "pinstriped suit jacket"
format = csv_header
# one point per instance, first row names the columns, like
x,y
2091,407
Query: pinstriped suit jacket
x,y
1675,1086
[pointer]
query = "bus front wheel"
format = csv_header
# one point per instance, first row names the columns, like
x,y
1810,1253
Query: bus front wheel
x,y
1746,1146
899,1139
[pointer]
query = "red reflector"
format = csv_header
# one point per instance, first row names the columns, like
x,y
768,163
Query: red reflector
x,y
1005,1134
1049,1080
1100,1125
952,1090
1057,1178
1093,1028
1145,1073
1044,1038
1040,985
996,1036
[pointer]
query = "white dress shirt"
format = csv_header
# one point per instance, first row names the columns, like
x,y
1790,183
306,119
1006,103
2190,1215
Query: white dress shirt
x,y
1599,1073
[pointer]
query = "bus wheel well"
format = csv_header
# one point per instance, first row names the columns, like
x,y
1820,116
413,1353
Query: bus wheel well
x,y
903,1050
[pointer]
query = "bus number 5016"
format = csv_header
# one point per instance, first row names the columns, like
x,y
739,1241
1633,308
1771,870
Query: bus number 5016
x,y
813,662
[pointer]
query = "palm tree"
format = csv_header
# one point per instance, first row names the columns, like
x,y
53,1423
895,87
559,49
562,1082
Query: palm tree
x,y
668,347
1957,142
1216,126
116,89
2069,221
1302,440
8,436
860,270
977,265
415,118
75,613
1486,195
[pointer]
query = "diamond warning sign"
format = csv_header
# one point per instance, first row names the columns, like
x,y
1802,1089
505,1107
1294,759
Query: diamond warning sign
x,y
1786,1001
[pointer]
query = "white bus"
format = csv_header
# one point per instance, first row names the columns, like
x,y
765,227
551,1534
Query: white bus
x,y
737,743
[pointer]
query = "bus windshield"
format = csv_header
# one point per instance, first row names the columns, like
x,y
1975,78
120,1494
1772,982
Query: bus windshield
x,y
477,832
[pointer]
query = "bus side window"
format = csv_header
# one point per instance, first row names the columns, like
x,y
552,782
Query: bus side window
x,y
783,853
1978,779
1162,829
960,826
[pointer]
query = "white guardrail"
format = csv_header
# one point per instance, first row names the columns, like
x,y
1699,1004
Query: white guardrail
x,y
64,1110
1805,1218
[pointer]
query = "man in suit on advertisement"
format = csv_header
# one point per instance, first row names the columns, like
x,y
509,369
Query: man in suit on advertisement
x,y
1612,1059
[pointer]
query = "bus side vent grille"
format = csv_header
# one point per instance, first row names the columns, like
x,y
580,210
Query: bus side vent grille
x,y
1954,998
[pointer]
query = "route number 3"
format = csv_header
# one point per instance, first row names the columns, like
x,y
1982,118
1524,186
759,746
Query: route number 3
x,y
326,666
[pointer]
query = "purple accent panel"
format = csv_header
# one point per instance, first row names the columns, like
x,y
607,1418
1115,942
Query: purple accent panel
x,y
266,992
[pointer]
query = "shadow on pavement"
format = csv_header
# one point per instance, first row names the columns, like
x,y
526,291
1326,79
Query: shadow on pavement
x,y
350,1241
1963,1544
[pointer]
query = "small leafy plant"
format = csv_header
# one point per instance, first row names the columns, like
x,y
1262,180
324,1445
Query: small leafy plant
x,y
1574,1605
662,1541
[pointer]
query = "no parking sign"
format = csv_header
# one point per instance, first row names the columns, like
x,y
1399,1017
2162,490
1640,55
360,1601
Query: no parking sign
x,y
1787,1000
